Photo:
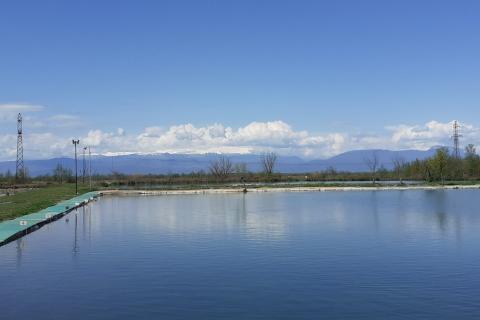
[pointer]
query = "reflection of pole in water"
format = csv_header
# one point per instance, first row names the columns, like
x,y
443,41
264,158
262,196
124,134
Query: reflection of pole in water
x,y
20,245
84,229
75,247
374,202
89,224
244,207
241,212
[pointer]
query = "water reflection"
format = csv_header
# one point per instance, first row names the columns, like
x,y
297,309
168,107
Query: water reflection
x,y
253,214
75,239
269,216
87,223
19,245
275,216
265,217
438,200
254,254
374,207
241,211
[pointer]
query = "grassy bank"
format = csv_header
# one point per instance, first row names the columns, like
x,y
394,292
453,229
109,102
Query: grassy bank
x,y
33,200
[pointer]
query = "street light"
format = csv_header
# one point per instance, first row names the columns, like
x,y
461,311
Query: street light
x,y
84,170
75,142
90,167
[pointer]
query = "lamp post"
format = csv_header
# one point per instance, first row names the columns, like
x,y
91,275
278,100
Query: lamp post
x,y
90,167
84,170
75,142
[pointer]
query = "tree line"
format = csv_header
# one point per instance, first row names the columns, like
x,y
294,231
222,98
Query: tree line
x,y
220,170
444,166
440,168
223,167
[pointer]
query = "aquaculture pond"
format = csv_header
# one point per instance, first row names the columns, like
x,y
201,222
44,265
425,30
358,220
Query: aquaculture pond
x,y
279,255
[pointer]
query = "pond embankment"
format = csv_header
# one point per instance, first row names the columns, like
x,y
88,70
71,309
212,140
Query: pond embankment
x,y
283,189
16,228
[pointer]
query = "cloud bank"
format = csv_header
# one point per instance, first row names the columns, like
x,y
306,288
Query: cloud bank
x,y
47,140
255,137
276,136
10,111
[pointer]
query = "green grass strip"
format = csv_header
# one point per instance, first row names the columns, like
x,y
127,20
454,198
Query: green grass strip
x,y
33,200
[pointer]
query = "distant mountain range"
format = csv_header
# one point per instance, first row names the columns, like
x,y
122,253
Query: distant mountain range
x,y
353,161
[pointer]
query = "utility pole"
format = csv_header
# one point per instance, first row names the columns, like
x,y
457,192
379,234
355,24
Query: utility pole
x,y
84,168
20,168
75,142
456,139
90,167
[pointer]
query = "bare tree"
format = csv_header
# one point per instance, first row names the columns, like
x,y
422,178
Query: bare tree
x,y
221,168
399,165
372,163
269,160
470,150
241,168
62,174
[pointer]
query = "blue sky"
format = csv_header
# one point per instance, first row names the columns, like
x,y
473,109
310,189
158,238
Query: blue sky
x,y
355,68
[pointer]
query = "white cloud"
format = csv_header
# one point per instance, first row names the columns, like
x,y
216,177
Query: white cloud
x,y
8,149
430,134
34,119
64,121
19,107
255,137
55,121
10,111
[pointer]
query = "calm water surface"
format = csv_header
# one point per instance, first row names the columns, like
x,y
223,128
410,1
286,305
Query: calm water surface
x,y
335,255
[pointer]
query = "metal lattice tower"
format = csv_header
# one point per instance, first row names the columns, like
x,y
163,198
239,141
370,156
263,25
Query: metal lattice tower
x,y
20,169
456,139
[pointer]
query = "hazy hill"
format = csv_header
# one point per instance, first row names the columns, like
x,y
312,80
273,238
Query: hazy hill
x,y
150,163
182,163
